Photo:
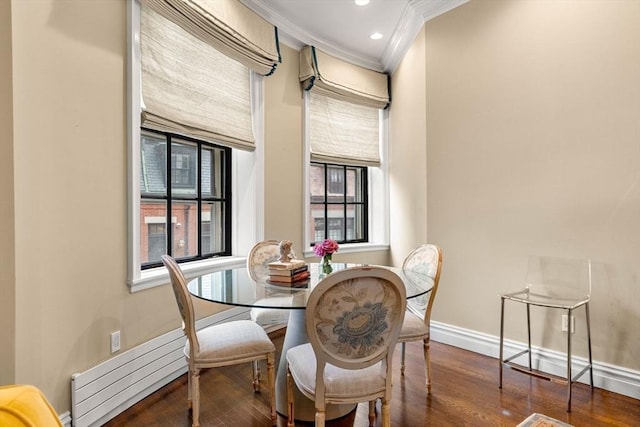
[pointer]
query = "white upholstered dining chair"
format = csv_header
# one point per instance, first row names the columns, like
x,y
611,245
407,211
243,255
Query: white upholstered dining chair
x,y
260,255
353,318
225,344
426,260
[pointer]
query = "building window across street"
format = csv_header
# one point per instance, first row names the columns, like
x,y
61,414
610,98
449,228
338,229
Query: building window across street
x,y
184,204
338,203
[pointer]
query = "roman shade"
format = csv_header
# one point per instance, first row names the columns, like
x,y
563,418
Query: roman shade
x,y
341,132
330,76
229,26
194,80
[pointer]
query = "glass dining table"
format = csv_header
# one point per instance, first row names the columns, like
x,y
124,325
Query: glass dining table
x,y
234,286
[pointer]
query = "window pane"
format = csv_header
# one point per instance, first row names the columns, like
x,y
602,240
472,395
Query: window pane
x,y
341,213
153,159
355,222
354,185
213,237
335,183
184,158
184,219
153,233
335,222
316,182
317,231
212,172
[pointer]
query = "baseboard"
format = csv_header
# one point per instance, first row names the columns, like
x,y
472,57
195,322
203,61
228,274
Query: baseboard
x,y
106,390
608,377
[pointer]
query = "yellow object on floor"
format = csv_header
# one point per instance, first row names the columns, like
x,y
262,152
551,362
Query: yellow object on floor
x,y
26,406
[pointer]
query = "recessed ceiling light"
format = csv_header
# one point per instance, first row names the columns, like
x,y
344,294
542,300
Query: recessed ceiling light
x,y
362,2
376,36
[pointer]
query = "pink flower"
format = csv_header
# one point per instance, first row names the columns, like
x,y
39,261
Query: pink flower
x,y
328,246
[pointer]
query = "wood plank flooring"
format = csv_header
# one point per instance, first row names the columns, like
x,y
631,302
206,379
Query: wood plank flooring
x,y
464,392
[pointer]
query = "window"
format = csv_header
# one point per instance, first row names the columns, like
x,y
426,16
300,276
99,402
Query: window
x,y
347,182
189,206
338,203
194,201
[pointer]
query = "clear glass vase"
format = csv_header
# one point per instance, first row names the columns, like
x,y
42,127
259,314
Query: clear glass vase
x,y
327,268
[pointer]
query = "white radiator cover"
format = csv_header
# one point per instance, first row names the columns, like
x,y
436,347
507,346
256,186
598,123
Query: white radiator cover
x,y
104,391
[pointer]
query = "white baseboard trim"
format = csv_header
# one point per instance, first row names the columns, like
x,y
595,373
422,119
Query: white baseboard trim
x,y
65,419
609,377
104,391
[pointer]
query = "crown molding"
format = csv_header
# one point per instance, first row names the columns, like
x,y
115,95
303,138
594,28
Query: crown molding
x,y
416,13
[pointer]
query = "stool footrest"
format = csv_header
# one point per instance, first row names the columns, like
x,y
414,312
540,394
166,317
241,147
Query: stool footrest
x,y
533,373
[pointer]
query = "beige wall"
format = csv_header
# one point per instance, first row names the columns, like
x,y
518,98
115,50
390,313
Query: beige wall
x,y
490,124
7,217
408,153
283,182
533,147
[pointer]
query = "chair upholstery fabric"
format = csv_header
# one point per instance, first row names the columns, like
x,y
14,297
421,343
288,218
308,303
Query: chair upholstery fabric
x,y
353,319
426,260
218,345
224,342
26,406
339,383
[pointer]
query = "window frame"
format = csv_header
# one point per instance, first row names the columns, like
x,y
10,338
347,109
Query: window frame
x,y
332,197
377,192
177,194
247,171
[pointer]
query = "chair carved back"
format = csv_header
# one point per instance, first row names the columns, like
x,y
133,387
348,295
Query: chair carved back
x,y
260,255
185,304
426,260
353,318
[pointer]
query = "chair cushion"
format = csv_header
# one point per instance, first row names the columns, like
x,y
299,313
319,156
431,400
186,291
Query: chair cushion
x,y
413,328
271,316
339,383
25,406
231,341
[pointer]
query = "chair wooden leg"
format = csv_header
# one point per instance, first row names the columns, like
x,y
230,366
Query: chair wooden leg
x,y
189,392
372,412
290,421
386,414
255,365
320,417
404,349
427,364
271,378
195,384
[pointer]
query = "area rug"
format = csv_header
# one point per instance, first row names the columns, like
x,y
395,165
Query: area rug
x,y
539,420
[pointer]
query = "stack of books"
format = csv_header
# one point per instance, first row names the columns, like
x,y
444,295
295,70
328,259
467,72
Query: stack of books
x,y
294,273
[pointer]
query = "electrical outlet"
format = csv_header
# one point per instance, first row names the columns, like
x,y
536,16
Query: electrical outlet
x,y
565,323
115,341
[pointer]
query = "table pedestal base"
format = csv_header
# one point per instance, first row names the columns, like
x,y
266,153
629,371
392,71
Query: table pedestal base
x,y
305,409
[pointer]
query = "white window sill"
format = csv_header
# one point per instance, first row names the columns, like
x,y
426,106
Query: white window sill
x,y
159,276
353,248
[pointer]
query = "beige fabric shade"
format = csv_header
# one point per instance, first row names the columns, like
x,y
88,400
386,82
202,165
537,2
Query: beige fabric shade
x,y
330,76
342,132
191,88
229,26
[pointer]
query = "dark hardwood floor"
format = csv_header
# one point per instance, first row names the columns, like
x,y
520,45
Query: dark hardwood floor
x,y
464,392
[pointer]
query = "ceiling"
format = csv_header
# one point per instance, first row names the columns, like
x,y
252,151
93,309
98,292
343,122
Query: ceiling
x,y
342,29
